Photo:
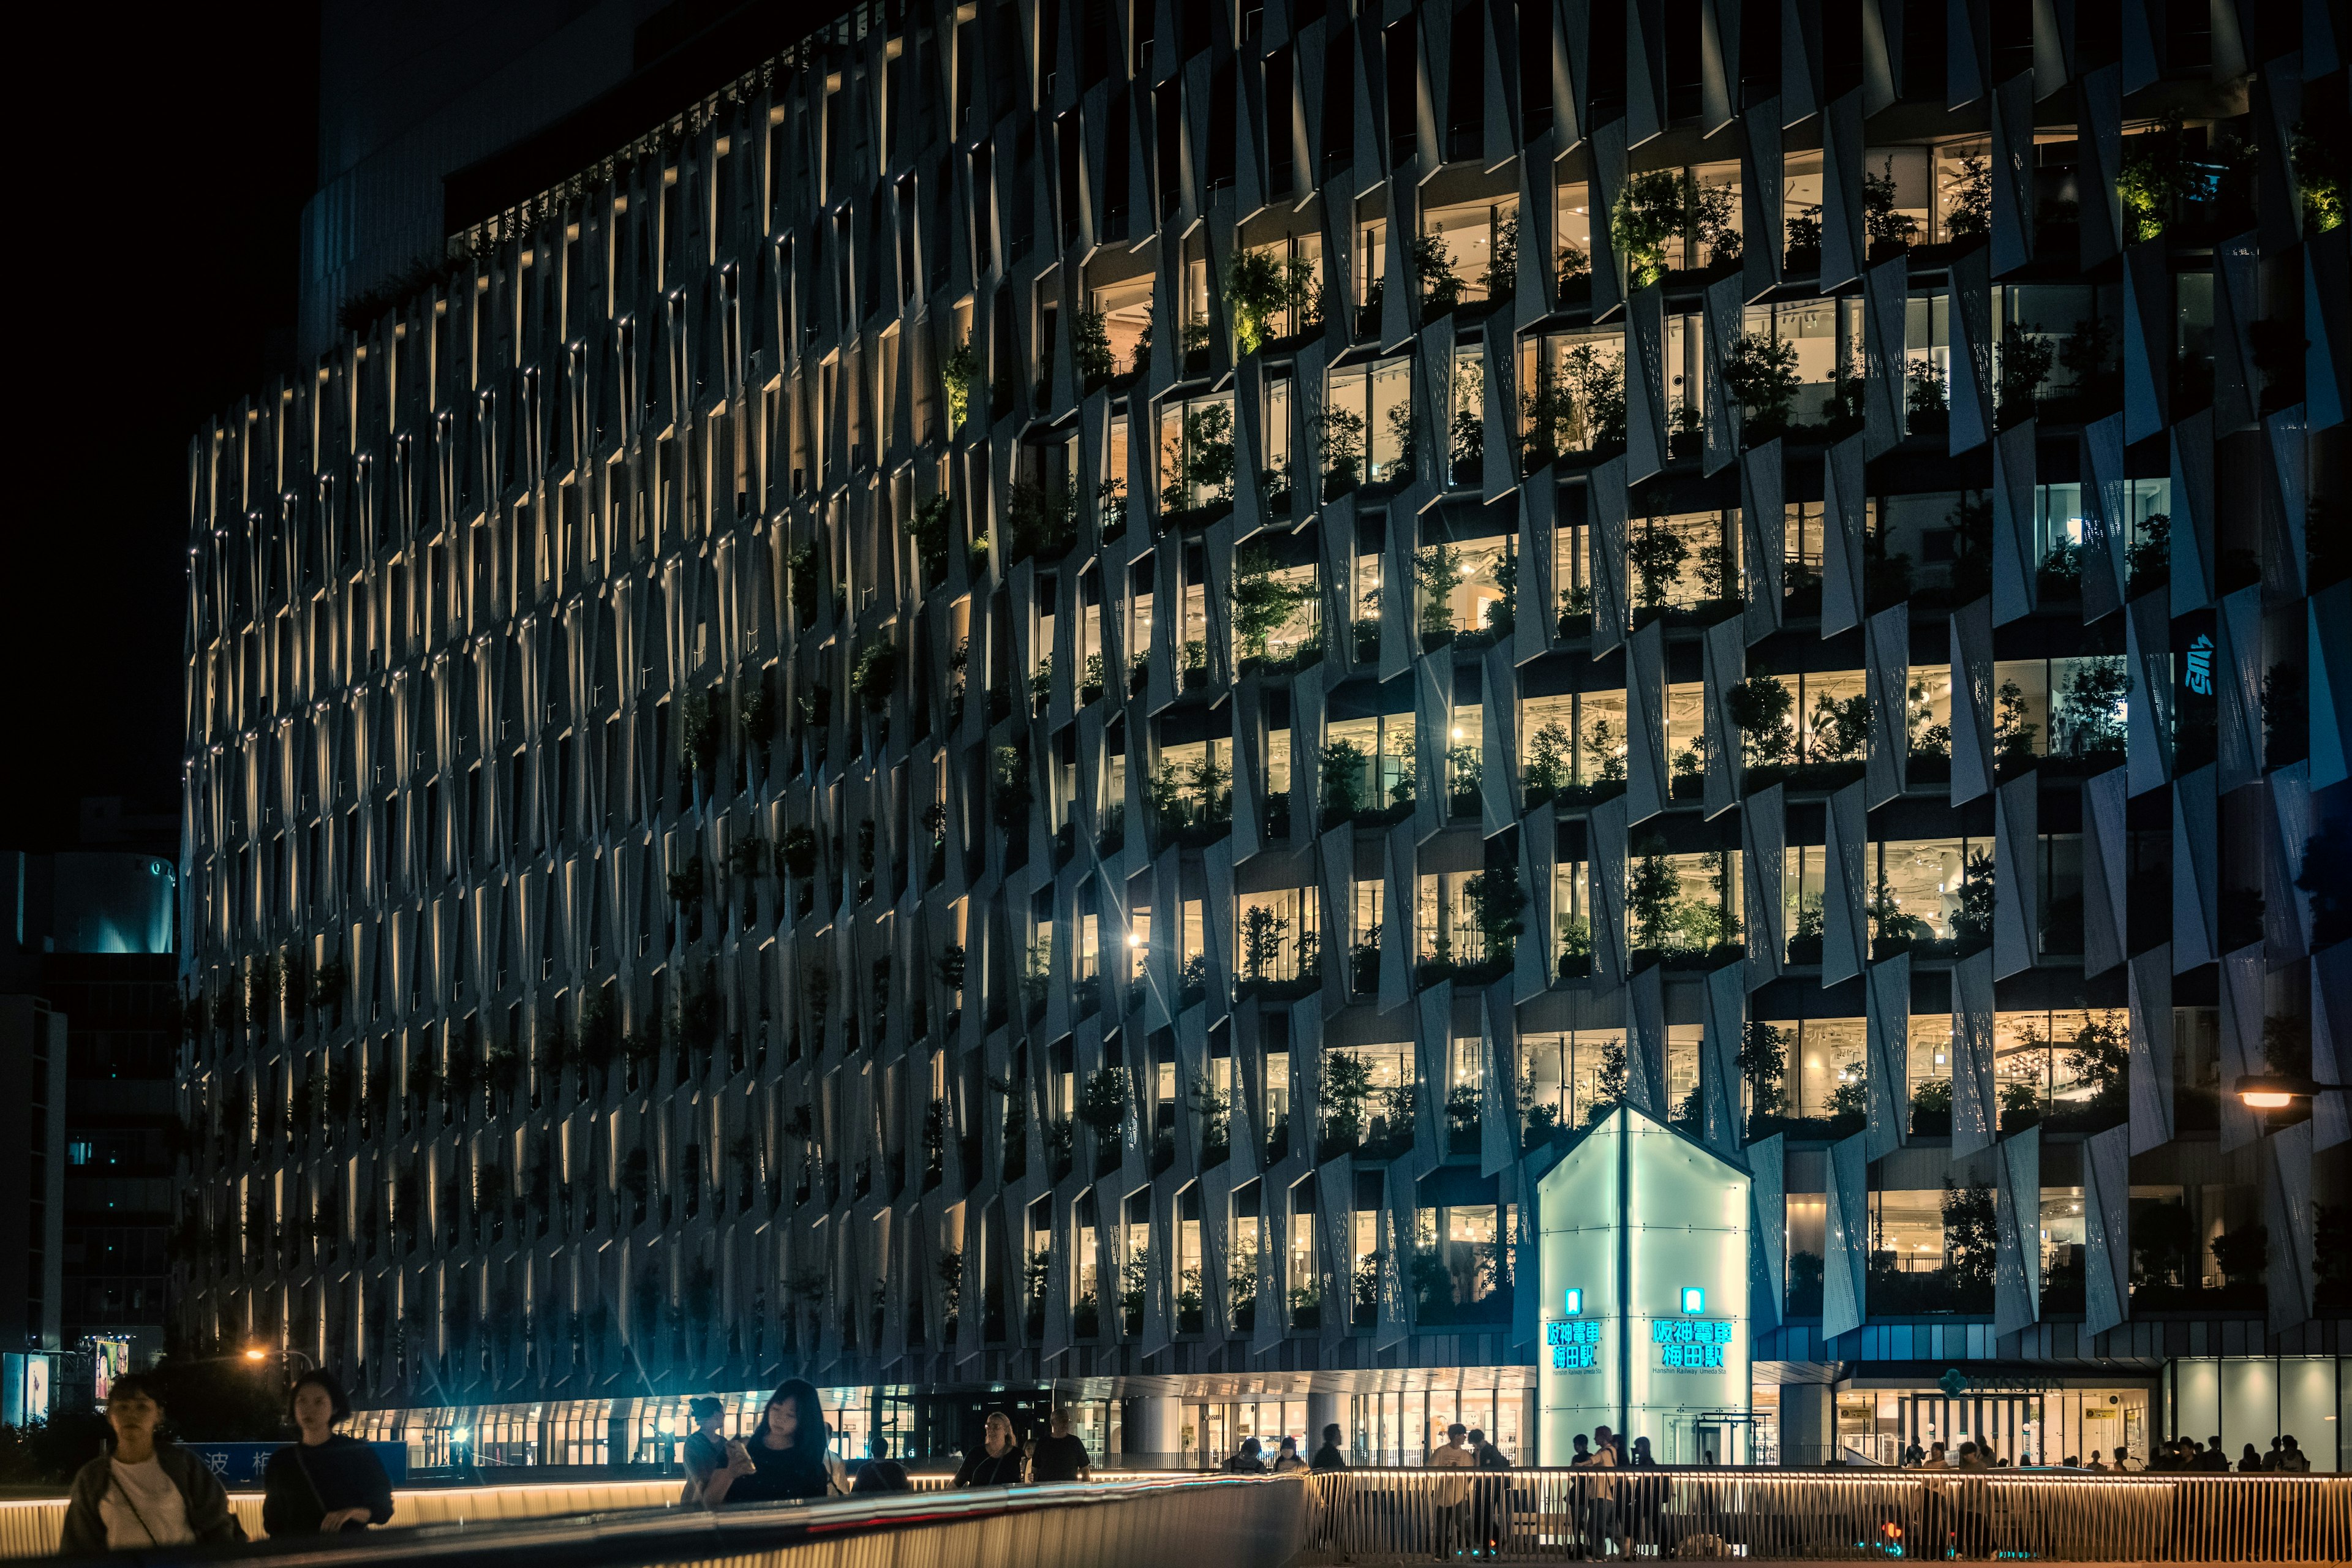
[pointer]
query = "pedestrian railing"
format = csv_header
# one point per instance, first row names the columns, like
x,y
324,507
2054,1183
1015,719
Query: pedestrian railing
x,y
1172,1521
1388,1516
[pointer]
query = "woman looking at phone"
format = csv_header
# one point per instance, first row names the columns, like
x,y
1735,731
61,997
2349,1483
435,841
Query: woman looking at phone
x,y
784,1459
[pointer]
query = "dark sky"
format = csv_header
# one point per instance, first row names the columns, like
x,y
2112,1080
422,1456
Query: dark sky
x,y
160,290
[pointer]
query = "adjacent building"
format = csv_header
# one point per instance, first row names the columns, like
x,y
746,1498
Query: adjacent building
x,y
90,1018
1036,706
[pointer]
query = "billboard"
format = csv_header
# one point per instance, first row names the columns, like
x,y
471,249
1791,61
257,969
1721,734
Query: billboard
x,y
1643,1248
26,1377
109,1358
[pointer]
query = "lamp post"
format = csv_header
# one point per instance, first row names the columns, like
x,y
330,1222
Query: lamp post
x,y
2277,1090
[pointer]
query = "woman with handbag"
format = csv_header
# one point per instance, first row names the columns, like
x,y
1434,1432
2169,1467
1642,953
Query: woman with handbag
x,y
327,1483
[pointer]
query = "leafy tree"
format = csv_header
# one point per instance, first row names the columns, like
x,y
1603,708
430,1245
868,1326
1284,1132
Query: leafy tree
x,y
1495,901
2026,359
1607,743
1648,215
1880,218
1608,1080
1262,601
1595,380
958,378
2100,1057
1656,555
1548,753
1760,370
1764,1063
1103,1101
1970,191
1653,890
1341,1096
1760,707
1970,1236
1547,409
1840,731
1262,940
1343,778
1432,269
2092,707
1090,345
1714,221
1502,275
2243,1255
1437,569
1469,432
1339,440
2158,172
2012,736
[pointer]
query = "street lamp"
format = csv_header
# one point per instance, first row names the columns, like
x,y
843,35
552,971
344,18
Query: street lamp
x,y
2277,1090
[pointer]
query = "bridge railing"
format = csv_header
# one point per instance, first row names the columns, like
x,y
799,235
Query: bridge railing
x,y
1388,1516
1175,1521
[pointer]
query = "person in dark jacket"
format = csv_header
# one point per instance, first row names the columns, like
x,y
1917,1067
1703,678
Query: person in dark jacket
x,y
783,1461
1328,1457
1060,1456
327,1483
881,1472
148,1492
998,1461
1249,1460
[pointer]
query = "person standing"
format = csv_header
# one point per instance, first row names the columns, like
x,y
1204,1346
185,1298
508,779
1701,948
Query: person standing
x,y
1328,1457
1601,1521
2215,1458
1451,1491
148,1491
1287,1461
784,1459
1493,1495
327,1483
881,1472
1059,1455
704,1452
997,1461
1248,1460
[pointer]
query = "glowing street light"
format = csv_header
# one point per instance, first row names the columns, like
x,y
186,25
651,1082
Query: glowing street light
x,y
2277,1090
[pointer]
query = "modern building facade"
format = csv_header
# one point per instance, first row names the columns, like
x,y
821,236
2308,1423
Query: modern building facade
x,y
1039,704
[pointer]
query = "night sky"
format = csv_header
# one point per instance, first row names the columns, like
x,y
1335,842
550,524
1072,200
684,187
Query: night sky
x,y
158,289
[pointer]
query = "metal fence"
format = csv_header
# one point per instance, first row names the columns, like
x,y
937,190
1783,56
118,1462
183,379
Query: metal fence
x,y
1386,1515
1174,1522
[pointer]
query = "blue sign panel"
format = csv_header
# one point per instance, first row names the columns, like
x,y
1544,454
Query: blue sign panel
x,y
242,1464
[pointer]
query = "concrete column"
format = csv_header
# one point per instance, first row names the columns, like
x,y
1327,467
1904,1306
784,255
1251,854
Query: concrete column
x,y
1808,1423
1322,1409
1153,1430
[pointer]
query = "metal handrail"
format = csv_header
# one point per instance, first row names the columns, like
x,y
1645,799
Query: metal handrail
x,y
681,1535
1379,1516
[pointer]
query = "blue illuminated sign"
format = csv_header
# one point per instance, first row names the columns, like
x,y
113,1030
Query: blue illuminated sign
x,y
1694,1300
1574,1345
1575,1302
1691,1346
2201,666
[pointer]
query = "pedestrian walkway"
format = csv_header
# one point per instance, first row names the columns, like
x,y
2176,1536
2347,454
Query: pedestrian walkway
x,y
1381,1517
